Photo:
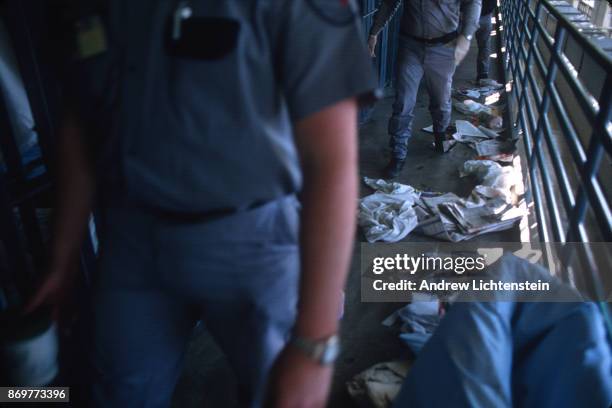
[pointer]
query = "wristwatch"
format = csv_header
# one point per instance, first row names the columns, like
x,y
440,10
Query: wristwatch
x,y
469,37
323,351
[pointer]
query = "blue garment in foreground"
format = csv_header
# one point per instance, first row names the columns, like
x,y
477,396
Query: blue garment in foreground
x,y
158,276
504,354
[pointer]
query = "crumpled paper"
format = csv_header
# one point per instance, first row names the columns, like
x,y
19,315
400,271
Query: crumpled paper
x,y
380,384
387,215
488,208
466,132
478,92
494,180
470,107
492,133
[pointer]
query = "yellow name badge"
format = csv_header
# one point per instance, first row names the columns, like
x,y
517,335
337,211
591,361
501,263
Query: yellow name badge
x,y
90,37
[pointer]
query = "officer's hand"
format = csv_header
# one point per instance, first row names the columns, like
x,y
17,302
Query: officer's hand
x,y
372,45
462,46
54,290
298,381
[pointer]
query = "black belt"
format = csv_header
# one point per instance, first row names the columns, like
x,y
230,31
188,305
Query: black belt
x,y
205,216
191,216
438,40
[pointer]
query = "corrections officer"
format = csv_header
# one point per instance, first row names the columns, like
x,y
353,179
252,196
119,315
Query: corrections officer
x,y
434,37
483,38
205,119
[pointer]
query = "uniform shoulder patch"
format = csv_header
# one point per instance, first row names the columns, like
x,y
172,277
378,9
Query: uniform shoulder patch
x,y
335,12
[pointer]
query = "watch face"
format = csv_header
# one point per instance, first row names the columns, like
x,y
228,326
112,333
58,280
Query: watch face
x,y
330,354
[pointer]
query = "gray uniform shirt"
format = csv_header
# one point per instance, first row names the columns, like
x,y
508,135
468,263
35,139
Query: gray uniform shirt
x,y
430,18
180,131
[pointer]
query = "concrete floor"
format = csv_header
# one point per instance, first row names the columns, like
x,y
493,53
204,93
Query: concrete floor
x,y
207,380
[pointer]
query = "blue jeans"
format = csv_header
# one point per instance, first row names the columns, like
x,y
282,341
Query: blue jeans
x,y
435,63
238,274
483,38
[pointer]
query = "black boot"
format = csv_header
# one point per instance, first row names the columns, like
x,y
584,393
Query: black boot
x,y
394,167
440,137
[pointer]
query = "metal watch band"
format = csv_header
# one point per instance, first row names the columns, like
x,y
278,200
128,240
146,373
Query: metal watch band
x,y
323,351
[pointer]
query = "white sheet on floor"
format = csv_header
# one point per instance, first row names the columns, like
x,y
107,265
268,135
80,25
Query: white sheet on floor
x,y
387,215
466,129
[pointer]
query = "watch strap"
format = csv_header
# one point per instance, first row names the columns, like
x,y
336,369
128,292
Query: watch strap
x,y
323,351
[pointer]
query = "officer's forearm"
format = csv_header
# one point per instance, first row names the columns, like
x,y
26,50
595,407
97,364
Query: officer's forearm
x,y
74,194
384,14
328,149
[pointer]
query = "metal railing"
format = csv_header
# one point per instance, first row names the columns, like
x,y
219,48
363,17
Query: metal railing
x,y
586,8
561,103
562,92
386,52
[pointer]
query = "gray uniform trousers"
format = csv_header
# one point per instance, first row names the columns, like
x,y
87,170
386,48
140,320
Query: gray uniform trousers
x,y
483,38
239,274
416,60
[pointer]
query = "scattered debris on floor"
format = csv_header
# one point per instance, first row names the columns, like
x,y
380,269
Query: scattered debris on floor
x,y
494,180
468,133
486,141
494,215
500,150
395,209
387,215
417,321
488,208
482,90
458,222
470,107
480,114
491,133
488,82
378,385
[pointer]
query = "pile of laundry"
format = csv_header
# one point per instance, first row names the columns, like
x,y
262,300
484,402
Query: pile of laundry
x,y
395,209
